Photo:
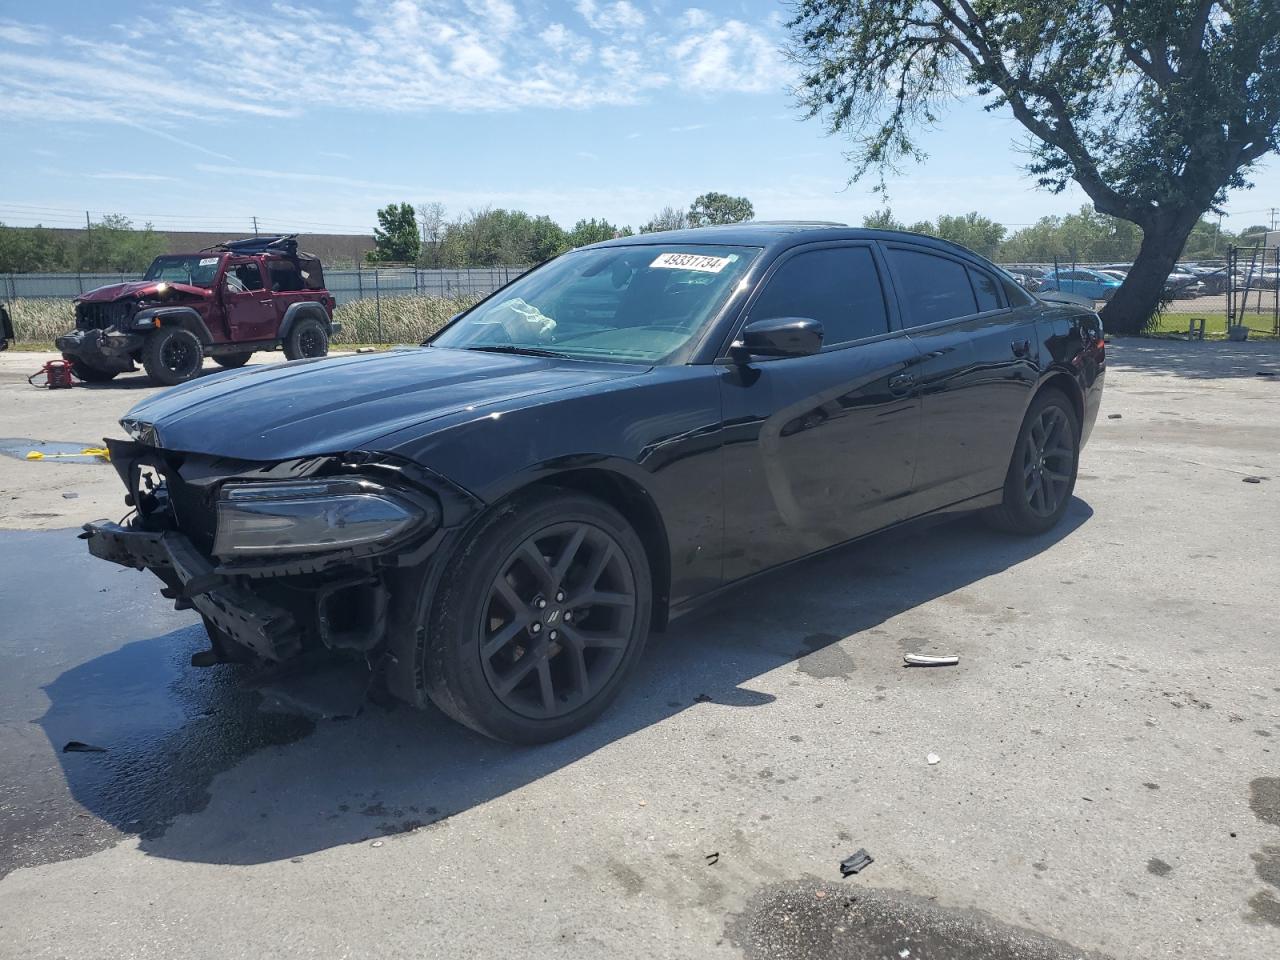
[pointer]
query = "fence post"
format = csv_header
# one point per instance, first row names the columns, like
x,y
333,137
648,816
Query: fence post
x,y
377,303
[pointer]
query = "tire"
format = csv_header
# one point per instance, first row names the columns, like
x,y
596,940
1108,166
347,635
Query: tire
x,y
307,338
90,374
521,662
230,361
172,355
1042,470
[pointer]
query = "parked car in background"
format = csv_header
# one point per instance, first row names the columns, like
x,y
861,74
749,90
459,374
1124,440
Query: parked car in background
x,y
1029,278
7,336
225,302
496,519
1182,284
1083,282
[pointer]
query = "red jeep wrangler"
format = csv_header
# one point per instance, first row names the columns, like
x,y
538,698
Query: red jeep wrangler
x,y
225,302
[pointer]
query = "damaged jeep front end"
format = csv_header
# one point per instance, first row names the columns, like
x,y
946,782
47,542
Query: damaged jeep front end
x,y
279,558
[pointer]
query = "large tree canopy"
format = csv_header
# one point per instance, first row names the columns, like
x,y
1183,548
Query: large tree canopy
x,y
1156,108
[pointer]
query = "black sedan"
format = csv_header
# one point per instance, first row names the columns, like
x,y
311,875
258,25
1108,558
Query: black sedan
x,y
499,517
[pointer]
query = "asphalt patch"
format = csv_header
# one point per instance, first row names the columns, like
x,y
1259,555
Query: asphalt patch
x,y
811,920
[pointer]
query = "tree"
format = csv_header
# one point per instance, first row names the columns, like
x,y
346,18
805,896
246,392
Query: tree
x,y
500,237
592,231
28,249
396,237
980,234
668,218
882,220
714,208
113,244
431,219
1156,108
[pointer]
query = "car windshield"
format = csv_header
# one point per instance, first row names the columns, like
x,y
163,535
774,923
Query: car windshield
x,y
197,269
637,304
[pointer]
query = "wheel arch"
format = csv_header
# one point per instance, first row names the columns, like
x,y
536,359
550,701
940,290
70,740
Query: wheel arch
x,y
635,504
185,317
1060,378
301,311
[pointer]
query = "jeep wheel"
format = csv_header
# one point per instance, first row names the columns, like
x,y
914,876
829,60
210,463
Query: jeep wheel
x,y
229,361
88,374
172,355
308,338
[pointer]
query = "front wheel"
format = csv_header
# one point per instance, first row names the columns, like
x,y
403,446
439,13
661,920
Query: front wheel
x,y
539,619
172,355
1042,473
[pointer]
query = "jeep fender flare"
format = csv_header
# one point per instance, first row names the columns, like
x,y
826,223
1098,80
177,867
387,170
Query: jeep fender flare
x,y
300,311
184,317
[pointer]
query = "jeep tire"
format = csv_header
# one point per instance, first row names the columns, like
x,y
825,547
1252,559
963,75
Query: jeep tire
x,y
172,355
307,338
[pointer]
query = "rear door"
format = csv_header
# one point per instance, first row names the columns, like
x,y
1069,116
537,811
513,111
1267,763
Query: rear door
x,y
978,345
286,283
251,314
819,449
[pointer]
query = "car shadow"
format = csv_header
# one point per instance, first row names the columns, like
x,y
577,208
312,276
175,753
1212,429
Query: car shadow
x,y
1197,359
138,379
290,787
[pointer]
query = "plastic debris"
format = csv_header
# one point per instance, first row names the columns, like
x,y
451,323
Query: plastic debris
x,y
927,660
933,758
856,863
102,453
75,746
1113,416
376,843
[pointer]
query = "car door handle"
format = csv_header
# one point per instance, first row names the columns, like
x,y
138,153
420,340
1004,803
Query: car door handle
x,y
1021,347
900,383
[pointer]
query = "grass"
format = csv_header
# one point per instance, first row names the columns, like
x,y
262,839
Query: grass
x,y
1215,327
364,322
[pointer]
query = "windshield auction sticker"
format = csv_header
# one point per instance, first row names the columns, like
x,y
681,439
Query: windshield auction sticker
x,y
691,261
209,262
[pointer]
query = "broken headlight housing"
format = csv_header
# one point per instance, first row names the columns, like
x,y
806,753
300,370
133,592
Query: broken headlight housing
x,y
309,516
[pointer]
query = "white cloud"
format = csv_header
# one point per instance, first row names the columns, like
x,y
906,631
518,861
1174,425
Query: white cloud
x,y
140,177
687,128
619,17
180,69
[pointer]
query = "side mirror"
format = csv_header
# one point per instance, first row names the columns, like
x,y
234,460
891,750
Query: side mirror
x,y
779,337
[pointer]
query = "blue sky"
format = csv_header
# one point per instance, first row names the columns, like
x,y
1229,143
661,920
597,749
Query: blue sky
x,y
311,116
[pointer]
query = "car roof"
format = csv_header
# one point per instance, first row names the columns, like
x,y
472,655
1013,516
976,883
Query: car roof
x,y
777,235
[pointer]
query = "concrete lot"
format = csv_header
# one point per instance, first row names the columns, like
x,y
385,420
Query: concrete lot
x,y
1109,774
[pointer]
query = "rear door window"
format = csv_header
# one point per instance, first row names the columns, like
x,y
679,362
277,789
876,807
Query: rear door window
x,y
986,289
837,286
932,288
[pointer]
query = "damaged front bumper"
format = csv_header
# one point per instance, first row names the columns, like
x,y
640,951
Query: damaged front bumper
x,y
103,349
275,602
269,631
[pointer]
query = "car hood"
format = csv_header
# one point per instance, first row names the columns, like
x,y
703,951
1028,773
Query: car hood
x,y
335,404
135,288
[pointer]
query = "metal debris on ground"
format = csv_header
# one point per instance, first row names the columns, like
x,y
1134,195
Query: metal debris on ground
x,y
1251,479
1113,416
712,858
927,660
856,863
75,746
933,758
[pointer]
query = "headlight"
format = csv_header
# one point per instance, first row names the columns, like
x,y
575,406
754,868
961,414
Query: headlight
x,y
312,515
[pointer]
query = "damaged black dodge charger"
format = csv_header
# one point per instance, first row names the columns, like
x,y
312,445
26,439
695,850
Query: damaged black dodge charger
x,y
497,519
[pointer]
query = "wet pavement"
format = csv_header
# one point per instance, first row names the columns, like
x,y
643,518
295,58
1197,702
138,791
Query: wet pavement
x,y
1108,781
92,655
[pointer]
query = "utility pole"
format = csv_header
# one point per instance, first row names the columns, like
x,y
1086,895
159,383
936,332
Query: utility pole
x,y
255,226
89,226
1274,211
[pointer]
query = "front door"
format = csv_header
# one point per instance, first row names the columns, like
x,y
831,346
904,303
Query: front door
x,y
819,449
251,313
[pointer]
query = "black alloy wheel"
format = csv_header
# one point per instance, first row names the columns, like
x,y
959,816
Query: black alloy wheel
x,y
172,355
1048,462
1042,471
557,620
539,616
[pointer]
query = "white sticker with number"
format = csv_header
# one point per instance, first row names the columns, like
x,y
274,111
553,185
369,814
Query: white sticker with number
x,y
209,262
692,261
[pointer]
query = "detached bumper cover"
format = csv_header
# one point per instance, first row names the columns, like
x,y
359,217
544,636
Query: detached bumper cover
x,y
268,630
106,349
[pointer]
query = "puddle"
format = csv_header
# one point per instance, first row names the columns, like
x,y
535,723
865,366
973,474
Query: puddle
x,y
55,451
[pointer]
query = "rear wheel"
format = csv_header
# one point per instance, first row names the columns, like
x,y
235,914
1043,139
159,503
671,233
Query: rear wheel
x,y
229,361
540,618
172,355
308,338
1042,473
90,374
